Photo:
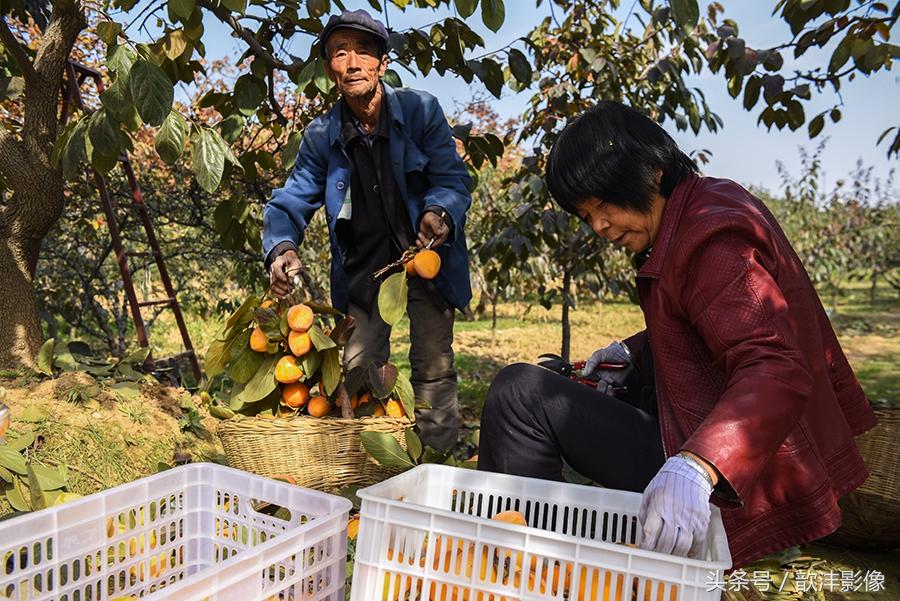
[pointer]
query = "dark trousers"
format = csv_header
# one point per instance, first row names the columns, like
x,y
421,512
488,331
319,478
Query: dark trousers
x,y
430,357
534,418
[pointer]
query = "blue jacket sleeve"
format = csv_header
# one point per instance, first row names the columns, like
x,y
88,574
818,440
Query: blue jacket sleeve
x,y
447,175
291,207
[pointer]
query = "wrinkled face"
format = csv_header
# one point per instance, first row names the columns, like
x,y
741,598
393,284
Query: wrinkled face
x,y
354,63
623,227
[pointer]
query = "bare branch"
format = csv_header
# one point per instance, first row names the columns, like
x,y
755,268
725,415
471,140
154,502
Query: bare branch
x,y
273,102
224,15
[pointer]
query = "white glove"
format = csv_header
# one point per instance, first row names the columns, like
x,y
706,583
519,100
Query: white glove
x,y
617,352
674,512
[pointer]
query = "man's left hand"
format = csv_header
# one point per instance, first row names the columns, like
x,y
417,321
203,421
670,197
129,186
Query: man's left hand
x,y
431,226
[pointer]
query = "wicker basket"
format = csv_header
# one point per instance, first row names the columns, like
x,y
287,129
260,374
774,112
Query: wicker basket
x,y
871,513
321,453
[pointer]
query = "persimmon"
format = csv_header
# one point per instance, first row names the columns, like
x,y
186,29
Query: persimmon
x,y
394,409
259,342
379,410
287,371
295,395
318,406
427,263
410,267
299,343
300,317
510,517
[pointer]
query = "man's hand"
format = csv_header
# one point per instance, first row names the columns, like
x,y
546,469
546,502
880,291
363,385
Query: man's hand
x,y
431,226
674,513
282,272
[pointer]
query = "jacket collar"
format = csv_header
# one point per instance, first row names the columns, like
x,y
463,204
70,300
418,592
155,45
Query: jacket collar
x,y
335,121
672,212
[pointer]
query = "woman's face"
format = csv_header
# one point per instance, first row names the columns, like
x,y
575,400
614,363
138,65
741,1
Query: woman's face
x,y
623,227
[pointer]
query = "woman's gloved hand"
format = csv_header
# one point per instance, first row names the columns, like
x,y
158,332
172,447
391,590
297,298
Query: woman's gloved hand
x,y
675,512
616,353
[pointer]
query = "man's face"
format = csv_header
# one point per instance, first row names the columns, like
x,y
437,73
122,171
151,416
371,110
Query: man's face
x,y
354,63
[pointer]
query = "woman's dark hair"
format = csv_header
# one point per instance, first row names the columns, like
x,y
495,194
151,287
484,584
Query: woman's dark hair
x,y
611,153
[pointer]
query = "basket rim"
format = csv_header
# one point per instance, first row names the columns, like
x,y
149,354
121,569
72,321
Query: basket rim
x,y
304,421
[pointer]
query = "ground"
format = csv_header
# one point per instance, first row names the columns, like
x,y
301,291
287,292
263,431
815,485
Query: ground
x,y
108,435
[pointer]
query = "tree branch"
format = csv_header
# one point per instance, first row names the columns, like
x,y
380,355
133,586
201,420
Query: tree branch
x,y
15,49
224,15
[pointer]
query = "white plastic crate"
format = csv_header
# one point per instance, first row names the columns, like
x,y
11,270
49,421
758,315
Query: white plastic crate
x,y
423,535
197,532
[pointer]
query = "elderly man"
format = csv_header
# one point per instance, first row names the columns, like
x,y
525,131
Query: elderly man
x,y
383,163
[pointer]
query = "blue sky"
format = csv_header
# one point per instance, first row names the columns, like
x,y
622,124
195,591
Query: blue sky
x,y
742,150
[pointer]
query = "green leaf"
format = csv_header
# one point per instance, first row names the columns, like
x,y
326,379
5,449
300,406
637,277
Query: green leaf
x,y
751,92
816,125
16,499
466,7
175,43
320,339
216,356
231,127
120,59
331,370
493,13
317,8
48,478
22,442
263,381
249,92
413,444
520,67
103,133
244,361
382,379
238,6
170,137
12,460
841,54
152,92
182,8
392,78
321,79
38,501
44,362
686,13
73,153
116,98
290,149
208,159
6,475
404,391
385,449
108,31
310,362
244,314
392,298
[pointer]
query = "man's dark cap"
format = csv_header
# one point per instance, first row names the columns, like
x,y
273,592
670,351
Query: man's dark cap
x,y
354,19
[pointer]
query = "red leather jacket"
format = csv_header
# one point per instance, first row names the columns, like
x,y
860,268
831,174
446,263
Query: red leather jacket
x,y
749,372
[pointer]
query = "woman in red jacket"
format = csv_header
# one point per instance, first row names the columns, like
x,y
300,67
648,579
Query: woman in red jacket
x,y
737,392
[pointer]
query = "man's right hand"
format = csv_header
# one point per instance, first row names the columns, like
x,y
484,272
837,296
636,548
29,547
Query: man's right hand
x,y
282,272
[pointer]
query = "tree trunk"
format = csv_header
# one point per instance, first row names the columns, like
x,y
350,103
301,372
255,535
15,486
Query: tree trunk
x,y
566,326
20,328
36,183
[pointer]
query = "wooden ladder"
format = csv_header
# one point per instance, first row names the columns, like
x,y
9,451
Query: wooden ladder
x,y
76,75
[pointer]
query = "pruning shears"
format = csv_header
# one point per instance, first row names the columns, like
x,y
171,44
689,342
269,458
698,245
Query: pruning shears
x,y
574,372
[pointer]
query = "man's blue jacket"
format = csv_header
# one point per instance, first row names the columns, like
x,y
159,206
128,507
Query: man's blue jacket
x,y
428,172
